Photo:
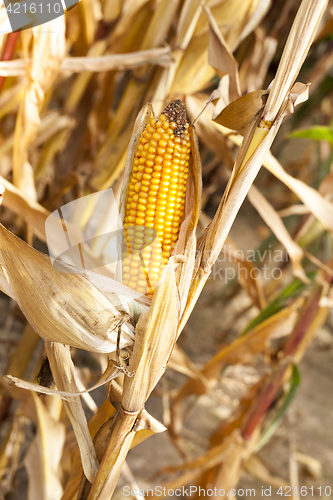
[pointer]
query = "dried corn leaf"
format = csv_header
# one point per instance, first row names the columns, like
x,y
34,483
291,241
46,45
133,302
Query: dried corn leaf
x,y
60,307
95,63
221,58
297,46
238,114
321,208
62,368
43,458
110,373
274,222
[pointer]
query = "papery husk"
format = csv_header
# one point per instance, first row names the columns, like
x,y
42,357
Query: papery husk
x,y
238,114
154,339
61,307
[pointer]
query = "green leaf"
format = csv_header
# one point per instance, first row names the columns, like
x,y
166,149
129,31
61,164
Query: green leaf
x,y
318,133
285,402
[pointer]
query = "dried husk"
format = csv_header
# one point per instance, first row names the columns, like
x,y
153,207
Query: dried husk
x,y
61,307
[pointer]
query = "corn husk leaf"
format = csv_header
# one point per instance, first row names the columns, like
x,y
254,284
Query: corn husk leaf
x,y
60,307
154,340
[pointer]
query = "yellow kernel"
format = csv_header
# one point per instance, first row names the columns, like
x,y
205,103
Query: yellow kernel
x,y
140,214
142,283
156,137
146,176
159,129
149,163
150,213
163,118
160,151
142,201
165,125
163,143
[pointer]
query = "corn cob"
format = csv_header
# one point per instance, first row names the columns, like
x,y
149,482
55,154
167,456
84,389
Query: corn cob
x,y
156,198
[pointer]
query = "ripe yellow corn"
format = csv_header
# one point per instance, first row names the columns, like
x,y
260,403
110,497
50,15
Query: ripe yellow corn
x,y
156,198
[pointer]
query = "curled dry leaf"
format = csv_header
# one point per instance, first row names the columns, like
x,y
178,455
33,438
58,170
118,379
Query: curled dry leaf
x,y
221,58
238,114
321,208
110,373
61,307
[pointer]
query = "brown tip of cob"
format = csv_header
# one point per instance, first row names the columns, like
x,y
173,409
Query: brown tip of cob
x,y
176,112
